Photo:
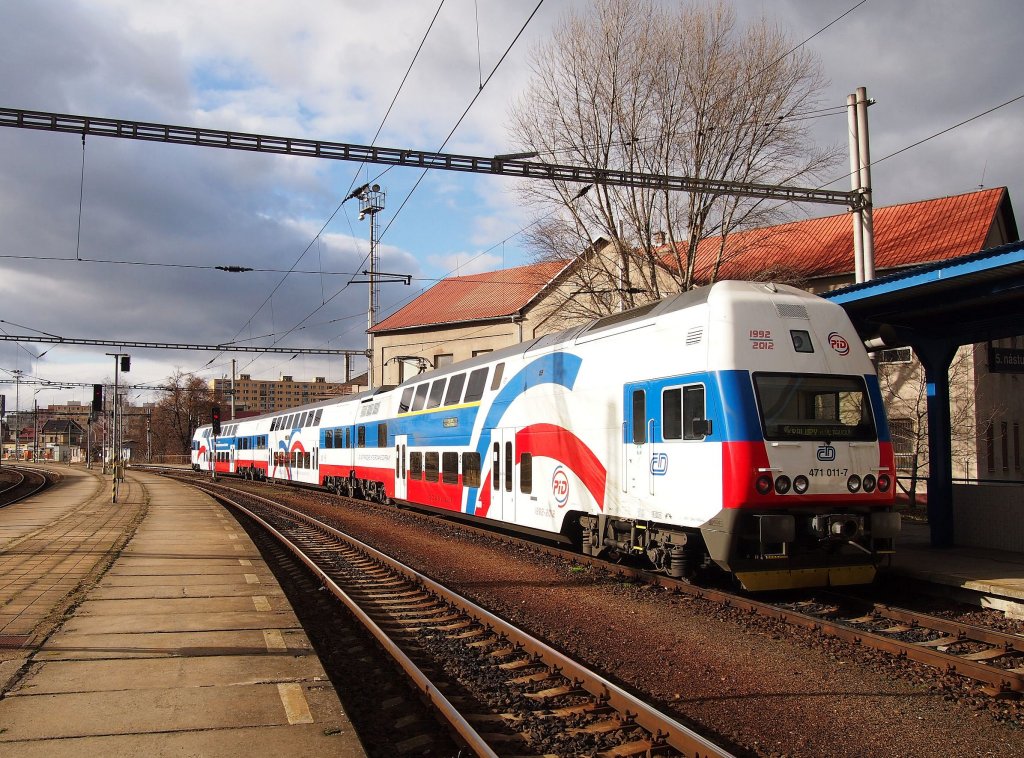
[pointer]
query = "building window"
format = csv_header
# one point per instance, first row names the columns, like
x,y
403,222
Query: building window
x,y
902,430
442,359
480,352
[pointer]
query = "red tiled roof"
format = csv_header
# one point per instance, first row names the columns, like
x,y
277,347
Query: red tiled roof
x,y
921,232
474,297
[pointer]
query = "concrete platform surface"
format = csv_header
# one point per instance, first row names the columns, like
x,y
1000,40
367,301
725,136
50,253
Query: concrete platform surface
x,y
990,578
187,646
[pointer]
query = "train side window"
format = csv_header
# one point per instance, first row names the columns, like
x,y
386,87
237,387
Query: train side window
x,y
348,438
672,414
307,460
436,393
508,467
471,469
693,413
421,396
431,466
496,381
382,435
273,424
415,465
328,438
316,416
477,382
639,417
526,473
496,465
406,402
305,420
361,437
450,468
454,394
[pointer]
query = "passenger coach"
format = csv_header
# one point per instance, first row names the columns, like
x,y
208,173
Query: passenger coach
x,y
737,426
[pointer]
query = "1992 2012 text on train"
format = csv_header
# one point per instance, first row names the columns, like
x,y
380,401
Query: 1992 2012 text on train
x,y
737,426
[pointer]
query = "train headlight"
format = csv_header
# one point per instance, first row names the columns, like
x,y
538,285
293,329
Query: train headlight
x,y
869,483
782,484
763,484
884,483
800,484
853,483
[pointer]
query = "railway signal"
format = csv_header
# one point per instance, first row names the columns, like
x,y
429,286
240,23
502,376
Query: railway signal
x,y
215,418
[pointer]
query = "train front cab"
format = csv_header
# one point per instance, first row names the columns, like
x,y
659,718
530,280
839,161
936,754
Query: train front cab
x,y
809,483
794,473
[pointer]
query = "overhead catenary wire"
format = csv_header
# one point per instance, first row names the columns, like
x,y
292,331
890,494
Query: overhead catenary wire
x,y
398,91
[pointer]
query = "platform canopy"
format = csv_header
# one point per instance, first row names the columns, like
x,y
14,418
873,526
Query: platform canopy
x,y
935,309
973,298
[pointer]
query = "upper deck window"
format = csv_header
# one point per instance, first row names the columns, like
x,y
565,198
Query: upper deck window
x,y
814,407
477,382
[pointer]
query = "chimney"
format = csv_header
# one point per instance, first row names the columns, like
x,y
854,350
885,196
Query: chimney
x,y
659,239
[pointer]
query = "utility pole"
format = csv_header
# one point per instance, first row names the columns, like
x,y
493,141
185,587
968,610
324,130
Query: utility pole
x,y
17,414
371,202
232,389
860,185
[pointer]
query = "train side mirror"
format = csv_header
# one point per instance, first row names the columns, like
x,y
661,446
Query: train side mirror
x,y
702,427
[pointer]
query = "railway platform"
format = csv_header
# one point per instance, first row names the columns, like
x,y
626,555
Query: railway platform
x,y
151,626
985,577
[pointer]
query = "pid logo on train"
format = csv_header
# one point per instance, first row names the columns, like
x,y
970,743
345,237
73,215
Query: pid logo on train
x,y
560,486
839,343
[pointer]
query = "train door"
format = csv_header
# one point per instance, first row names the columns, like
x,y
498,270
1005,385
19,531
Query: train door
x,y
503,505
231,459
401,462
638,429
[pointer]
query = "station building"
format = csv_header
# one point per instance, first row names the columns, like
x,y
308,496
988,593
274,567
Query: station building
x,y
464,316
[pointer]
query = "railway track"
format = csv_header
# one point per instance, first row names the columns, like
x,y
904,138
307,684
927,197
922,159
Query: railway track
x,y
503,692
993,659
22,483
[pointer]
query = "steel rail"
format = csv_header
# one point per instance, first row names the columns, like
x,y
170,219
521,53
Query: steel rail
x,y
22,472
659,725
422,682
999,681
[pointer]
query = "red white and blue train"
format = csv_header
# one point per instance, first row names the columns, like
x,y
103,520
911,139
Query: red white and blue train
x,y
738,425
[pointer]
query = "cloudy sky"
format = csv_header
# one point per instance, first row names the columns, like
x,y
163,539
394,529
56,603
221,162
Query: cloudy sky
x,y
328,69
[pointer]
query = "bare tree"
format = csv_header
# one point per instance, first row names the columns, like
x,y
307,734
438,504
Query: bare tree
x,y
637,86
180,411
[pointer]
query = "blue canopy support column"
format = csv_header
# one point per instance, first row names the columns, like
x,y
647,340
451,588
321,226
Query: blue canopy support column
x,y
936,356
935,308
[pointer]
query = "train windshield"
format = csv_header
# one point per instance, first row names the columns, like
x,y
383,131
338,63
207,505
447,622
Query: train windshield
x,y
814,407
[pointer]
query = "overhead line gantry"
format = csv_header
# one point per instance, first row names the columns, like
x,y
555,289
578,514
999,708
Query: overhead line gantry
x,y
497,165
